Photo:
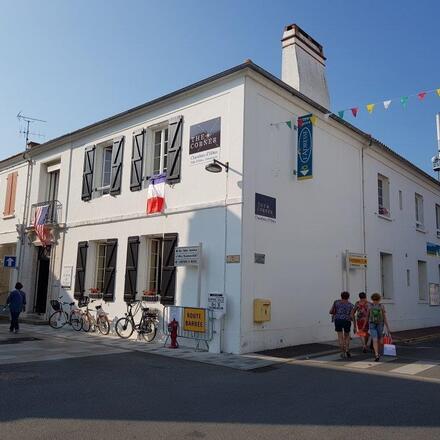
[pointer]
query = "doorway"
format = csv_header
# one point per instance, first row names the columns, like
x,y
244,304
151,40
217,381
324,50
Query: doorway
x,y
43,264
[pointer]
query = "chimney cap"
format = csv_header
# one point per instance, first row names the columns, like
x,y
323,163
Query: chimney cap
x,y
32,144
293,30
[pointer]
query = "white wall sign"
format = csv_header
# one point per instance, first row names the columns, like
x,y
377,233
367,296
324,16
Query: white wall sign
x,y
217,302
66,276
187,256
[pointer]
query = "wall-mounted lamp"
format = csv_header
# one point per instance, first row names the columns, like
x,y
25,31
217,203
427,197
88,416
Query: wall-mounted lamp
x,y
216,166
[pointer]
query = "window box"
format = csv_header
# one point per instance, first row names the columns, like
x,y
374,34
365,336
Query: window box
x,y
95,293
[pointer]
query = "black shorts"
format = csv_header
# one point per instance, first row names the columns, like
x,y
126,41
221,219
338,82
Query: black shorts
x,y
342,324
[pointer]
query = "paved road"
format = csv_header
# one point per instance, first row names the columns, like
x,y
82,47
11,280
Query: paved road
x,y
138,395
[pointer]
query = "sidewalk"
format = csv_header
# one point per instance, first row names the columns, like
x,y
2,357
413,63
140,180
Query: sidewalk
x,y
414,335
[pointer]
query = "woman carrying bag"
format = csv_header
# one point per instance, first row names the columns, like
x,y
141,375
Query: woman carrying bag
x,y
359,316
377,320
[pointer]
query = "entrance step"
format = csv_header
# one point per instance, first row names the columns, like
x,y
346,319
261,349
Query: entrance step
x,y
34,319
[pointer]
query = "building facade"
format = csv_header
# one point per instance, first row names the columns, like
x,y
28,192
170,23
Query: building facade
x,y
271,242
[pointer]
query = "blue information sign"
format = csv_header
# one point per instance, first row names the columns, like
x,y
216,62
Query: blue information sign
x,y
9,261
305,148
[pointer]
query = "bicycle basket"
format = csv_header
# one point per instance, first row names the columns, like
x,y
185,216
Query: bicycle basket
x,y
56,305
83,301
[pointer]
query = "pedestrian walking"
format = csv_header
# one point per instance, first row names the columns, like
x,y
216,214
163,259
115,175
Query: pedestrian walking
x,y
341,315
17,304
359,316
377,321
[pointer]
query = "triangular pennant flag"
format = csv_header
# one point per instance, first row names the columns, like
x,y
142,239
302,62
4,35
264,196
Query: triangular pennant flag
x,y
355,111
421,95
438,92
370,107
404,100
300,122
341,114
289,124
313,119
386,104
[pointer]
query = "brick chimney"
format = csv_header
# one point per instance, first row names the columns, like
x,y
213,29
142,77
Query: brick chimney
x,y
303,65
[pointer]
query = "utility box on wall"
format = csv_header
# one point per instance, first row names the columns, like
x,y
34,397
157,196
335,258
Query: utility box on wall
x,y
262,310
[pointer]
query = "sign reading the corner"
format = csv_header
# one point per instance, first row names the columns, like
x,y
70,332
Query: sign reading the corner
x,y
265,208
194,320
187,256
305,148
204,141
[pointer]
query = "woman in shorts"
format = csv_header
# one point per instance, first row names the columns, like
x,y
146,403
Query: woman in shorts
x,y
377,321
341,312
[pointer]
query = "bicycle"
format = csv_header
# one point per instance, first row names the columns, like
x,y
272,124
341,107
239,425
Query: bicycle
x,y
147,326
90,322
60,317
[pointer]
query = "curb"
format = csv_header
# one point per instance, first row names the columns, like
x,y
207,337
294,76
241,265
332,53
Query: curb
x,y
417,339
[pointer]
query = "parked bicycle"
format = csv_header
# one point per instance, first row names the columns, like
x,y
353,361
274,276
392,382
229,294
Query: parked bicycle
x,y
60,317
90,322
147,326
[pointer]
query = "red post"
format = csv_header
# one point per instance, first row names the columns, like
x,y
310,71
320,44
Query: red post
x,y
172,328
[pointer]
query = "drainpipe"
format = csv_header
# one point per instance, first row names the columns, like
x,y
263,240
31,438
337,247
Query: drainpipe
x,y
364,234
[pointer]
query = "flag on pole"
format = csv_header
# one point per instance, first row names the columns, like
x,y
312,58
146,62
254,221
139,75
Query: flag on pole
x,y
156,194
386,104
41,230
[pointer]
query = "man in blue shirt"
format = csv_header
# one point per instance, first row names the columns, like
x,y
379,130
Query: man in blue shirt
x,y
17,303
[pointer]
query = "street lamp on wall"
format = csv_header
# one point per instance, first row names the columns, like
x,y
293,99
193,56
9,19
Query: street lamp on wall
x,y
216,166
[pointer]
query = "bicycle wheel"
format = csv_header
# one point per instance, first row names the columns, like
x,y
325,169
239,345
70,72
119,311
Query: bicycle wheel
x,y
124,327
86,323
149,333
76,321
58,319
103,326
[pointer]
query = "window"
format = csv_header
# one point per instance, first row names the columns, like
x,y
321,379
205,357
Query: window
x,y
52,189
106,169
423,280
383,195
160,151
386,275
408,277
100,266
400,200
154,265
437,219
419,211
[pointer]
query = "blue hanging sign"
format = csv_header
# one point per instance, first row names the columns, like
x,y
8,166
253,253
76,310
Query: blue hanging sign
x,y
305,148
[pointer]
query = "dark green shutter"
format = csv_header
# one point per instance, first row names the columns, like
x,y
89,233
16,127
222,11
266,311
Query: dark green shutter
x,y
131,269
80,272
117,159
110,269
89,164
168,275
137,160
175,129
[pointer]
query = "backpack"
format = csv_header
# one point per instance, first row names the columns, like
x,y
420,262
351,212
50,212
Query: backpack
x,y
376,314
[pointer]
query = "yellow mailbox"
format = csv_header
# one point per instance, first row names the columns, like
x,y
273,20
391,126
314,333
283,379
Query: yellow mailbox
x,y
262,310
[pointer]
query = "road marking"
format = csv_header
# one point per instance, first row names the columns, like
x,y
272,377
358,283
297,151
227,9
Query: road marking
x,y
414,368
328,358
361,364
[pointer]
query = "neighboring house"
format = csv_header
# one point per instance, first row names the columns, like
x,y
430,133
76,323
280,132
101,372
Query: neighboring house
x,y
265,233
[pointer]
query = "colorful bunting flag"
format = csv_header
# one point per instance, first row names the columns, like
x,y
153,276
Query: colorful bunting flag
x,y
300,122
370,108
313,119
355,111
289,124
438,92
341,114
404,101
386,104
421,95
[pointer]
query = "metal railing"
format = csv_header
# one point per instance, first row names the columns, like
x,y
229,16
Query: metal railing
x,y
51,210
203,335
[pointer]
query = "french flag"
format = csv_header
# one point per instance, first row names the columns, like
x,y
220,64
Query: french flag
x,y
156,194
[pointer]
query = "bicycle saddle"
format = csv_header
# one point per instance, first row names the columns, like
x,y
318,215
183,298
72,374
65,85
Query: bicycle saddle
x,y
145,309
98,307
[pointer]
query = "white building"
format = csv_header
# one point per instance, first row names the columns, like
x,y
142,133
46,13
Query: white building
x,y
265,233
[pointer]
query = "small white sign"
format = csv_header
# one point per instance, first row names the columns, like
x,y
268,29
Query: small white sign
x,y
187,256
434,294
66,276
217,303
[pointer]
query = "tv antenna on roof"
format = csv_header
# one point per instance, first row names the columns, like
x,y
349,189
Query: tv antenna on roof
x,y
25,131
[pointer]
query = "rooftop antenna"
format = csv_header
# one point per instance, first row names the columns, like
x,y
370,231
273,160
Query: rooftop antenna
x,y
28,120
436,158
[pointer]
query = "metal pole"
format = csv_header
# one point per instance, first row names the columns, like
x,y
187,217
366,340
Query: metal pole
x,y
199,278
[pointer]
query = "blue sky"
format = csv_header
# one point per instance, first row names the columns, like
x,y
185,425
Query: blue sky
x,y
75,62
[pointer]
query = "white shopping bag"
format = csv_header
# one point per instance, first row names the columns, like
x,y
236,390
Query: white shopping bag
x,y
389,350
